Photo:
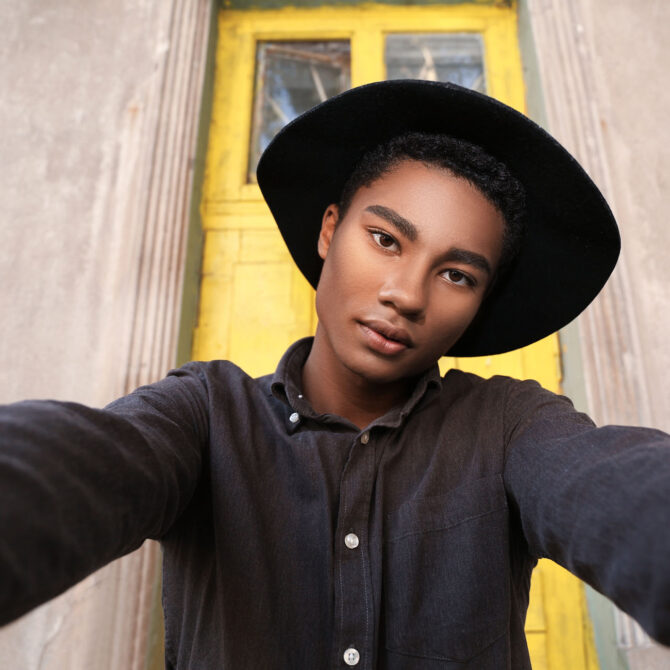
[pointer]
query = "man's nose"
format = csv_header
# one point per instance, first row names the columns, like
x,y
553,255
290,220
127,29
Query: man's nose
x,y
406,291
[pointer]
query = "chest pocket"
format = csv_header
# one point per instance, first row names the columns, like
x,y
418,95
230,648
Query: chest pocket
x,y
446,573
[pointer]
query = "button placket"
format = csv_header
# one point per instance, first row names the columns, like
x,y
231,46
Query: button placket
x,y
354,607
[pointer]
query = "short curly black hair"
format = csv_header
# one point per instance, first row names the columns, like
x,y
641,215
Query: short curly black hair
x,y
463,159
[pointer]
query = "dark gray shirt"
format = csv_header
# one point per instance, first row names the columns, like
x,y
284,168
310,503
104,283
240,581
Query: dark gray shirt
x,y
295,540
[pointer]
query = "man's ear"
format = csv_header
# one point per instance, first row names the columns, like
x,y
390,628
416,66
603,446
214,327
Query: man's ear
x,y
328,223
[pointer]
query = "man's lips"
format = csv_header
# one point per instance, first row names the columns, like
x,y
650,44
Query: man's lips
x,y
384,337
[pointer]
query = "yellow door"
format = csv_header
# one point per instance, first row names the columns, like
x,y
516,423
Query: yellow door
x,y
253,302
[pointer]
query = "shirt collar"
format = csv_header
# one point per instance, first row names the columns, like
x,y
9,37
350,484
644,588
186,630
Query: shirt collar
x,y
286,386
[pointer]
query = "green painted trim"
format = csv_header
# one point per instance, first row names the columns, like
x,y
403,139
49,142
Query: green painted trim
x,y
610,655
601,610
280,4
195,236
531,69
155,658
571,362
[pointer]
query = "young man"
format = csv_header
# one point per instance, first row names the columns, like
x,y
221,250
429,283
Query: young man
x,y
354,508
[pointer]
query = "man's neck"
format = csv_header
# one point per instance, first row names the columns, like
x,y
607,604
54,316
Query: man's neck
x,y
331,388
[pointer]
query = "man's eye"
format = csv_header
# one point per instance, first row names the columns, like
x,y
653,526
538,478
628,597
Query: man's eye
x,y
457,277
384,240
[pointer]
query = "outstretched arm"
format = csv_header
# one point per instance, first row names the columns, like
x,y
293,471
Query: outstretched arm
x,y
80,487
595,500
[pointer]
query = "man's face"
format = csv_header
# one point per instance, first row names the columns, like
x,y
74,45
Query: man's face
x,y
405,271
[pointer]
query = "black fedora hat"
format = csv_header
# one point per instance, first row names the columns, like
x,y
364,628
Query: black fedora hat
x,y
571,242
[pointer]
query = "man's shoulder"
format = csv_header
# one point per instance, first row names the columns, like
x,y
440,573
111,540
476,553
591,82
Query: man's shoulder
x,y
221,375
462,381
508,394
214,369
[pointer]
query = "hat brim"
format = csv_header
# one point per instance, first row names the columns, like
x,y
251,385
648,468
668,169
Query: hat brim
x,y
571,242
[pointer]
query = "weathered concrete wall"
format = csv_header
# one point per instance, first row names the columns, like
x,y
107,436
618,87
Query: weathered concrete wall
x,y
75,78
99,106
631,51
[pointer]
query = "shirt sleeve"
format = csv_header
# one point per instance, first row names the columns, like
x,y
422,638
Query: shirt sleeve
x,y
595,500
80,487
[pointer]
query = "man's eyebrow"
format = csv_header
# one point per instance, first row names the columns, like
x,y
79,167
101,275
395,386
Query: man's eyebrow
x,y
469,258
407,228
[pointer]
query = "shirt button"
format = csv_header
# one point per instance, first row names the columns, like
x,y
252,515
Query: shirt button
x,y
294,418
351,540
365,438
351,656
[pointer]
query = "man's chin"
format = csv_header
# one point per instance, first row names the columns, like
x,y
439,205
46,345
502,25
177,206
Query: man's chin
x,y
387,373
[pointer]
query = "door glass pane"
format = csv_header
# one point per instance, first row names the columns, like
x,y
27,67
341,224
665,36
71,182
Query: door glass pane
x,y
292,77
456,57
